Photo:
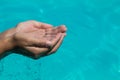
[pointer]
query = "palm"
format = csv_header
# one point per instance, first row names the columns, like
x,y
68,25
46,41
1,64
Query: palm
x,y
33,26
30,26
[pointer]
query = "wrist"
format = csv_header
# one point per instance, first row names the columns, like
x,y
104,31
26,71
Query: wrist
x,y
7,41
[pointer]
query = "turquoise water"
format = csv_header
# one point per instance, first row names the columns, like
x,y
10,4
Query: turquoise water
x,y
91,50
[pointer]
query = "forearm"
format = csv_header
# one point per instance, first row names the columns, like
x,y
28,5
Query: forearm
x,y
2,47
6,41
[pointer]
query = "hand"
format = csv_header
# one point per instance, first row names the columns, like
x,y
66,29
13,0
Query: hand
x,y
38,39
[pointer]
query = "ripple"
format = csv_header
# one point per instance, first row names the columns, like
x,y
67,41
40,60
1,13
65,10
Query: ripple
x,y
99,3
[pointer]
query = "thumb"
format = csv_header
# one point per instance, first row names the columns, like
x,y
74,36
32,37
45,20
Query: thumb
x,y
37,52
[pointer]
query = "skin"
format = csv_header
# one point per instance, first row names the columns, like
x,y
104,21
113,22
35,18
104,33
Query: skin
x,y
33,39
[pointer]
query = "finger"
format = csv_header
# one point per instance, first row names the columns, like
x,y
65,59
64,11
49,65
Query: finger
x,y
56,39
37,52
57,45
39,25
61,28
44,25
52,31
44,42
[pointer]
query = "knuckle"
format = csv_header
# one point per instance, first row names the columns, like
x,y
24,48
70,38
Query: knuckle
x,y
46,43
50,44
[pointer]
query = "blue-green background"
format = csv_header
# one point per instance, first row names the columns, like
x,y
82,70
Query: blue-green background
x,y
91,50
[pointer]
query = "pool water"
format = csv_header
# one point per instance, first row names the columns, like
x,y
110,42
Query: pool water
x,y
90,51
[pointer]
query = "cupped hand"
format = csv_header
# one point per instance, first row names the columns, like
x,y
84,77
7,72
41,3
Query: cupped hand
x,y
38,39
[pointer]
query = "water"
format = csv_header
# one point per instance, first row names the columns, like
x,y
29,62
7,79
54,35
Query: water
x,y
91,50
